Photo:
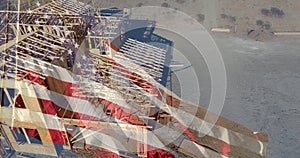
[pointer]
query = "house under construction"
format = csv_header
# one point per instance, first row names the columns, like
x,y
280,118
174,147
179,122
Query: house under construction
x,y
78,81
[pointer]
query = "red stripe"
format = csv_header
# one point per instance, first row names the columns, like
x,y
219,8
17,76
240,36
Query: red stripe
x,y
158,153
121,113
103,153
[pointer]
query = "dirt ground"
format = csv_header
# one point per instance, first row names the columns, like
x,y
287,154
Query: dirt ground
x,y
241,16
264,88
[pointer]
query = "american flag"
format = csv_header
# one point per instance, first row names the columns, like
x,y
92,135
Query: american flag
x,y
66,86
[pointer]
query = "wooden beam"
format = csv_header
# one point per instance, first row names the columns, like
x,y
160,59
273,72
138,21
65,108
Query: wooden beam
x,y
11,43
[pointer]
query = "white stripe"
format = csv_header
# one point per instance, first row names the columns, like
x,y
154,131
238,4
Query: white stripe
x,y
221,133
68,103
29,116
103,138
193,148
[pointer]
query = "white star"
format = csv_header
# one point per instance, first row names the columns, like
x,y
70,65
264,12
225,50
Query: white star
x,y
78,65
53,45
76,45
29,11
54,27
9,71
46,16
70,52
8,59
62,39
44,67
94,71
68,32
84,57
29,29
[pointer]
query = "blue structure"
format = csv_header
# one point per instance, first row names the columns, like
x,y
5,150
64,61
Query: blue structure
x,y
143,31
112,12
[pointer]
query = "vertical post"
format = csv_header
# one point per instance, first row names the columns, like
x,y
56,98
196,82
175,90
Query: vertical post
x,y
109,48
26,136
29,3
235,27
6,41
145,141
89,39
17,40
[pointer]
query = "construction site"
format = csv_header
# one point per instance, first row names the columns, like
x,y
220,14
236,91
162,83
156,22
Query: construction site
x,y
77,81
